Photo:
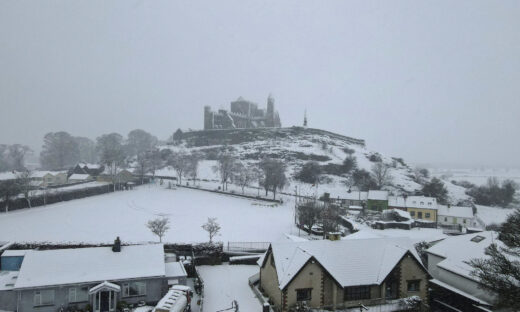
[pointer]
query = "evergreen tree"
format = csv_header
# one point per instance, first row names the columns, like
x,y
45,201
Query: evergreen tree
x,y
500,271
435,188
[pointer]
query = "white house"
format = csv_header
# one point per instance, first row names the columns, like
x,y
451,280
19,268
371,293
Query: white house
x,y
456,215
454,288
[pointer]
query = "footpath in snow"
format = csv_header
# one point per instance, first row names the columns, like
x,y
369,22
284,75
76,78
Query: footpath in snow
x,y
225,283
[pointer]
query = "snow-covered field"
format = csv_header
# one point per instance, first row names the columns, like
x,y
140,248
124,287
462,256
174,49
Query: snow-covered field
x,y
225,283
99,219
476,176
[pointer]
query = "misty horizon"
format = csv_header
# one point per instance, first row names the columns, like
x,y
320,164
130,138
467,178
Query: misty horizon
x,y
434,83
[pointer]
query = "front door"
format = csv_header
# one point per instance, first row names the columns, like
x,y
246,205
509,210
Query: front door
x,y
104,301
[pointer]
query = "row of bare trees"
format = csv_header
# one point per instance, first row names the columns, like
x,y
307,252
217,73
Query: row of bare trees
x,y
268,174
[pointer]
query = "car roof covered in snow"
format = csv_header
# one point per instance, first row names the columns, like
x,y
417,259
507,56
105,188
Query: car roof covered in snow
x,y
457,251
349,262
81,265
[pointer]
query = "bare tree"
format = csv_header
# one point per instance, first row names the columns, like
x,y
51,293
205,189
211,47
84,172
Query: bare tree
x,y
212,227
24,181
8,189
226,165
330,219
159,227
193,166
308,215
381,174
60,150
180,163
143,166
273,175
243,175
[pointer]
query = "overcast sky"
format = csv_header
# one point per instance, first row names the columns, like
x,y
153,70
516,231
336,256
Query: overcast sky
x,y
430,81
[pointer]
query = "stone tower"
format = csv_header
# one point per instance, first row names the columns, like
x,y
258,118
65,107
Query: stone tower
x,y
269,116
208,118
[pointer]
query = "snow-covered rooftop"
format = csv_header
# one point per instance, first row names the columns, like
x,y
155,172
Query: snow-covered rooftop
x,y
377,195
415,234
15,253
459,250
175,269
350,262
396,201
41,173
356,195
9,175
7,279
455,211
79,176
421,202
81,265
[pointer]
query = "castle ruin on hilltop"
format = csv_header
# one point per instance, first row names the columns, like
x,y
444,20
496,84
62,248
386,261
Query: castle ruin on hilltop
x,y
243,115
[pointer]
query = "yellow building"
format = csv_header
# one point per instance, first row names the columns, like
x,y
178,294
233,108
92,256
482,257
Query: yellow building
x,y
422,208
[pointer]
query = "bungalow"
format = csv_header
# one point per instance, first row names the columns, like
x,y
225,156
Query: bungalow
x,y
99,277
377,200
342,274
454,288
462,216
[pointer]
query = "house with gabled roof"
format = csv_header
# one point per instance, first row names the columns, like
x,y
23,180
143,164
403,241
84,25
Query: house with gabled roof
x,y
454,287
99,277
343,274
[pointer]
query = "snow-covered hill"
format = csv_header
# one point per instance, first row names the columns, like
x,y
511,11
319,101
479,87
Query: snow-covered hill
x,y
295,146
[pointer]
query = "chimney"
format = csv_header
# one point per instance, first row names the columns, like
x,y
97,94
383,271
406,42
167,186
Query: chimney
x,y
117,245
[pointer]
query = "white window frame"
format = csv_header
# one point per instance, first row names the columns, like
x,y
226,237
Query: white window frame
x,y
38,298
76,291
140,286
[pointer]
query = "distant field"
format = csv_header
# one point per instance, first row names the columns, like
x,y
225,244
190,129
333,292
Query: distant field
x,y
477,176
101,218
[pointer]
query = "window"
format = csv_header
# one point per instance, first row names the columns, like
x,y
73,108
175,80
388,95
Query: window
x,y
464,221
78,294
429,203
412,213
134,289
44,297
477,239
419,215
414,285
427,215
445,219
357,293
303,294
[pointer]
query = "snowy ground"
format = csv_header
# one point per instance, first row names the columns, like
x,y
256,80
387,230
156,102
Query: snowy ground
x,y
99,219
476,176
492,215
225,283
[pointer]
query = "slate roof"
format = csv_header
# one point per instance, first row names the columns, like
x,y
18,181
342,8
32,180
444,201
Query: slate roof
x,y
96,264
